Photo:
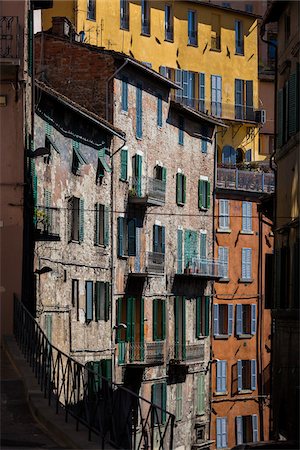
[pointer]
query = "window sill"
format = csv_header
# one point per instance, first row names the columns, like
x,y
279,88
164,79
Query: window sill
x,y
124,112
143,33
218,50
123,180
180,204
124,28
72,241
244,336
224,280
100,245
203,208
123,256
245,391
169,40
219,394
224,230
221,336
239,54
246,281
90,19
192,45
247,232
201,338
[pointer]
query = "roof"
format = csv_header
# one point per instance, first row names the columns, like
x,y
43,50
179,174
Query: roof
x,y
198,114
80,109
225,8
274,11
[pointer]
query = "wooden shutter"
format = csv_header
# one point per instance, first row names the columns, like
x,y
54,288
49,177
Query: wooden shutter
x,y
279,118
183,188
223,376
207,194
106,226
139,111
198,316
213,83
219,96
178,412
132,237
138,174
239,319
81,220
249,100
292,104
180,130
176,328
155,238
125,94
178,80
244,219
183,328
239,429
120,221
98,300
200,394
124,165
203,245
48,326
253,319
163,239
142,328
244,263
179,188
200,193
230,319
106,366
238,98
163,310
219,376
34,182
107,302
254,428
154,318
159,111
216,320
202,91
179,251
224,432
164,402
253,374
97,224
240,374
89,300
219,432
119,317
164,174
206,315
249,263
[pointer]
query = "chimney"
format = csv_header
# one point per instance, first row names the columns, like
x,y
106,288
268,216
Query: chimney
x,y
61,26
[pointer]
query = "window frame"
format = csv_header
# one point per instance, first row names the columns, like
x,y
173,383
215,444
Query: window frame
x,y
169,23
192,20
246,265
224,215
91,10
247,223
145,18
247,375
159,305
180,189
224,258
239,37
221,377
124,15
227,320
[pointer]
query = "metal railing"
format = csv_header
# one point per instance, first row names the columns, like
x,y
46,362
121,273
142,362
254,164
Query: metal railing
x,y
203,267
150,188
195,352
46,221
246,180
115,414
141,352
9,37
155,262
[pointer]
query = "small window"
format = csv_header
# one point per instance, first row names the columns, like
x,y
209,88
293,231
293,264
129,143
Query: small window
x,y
239,38
223,319
91,9
169,32
204,194
124,15
145,17
180,189
202,316
160,173
223,253
192,28
101,224
181,130
159,320
224,218
246,375
102,301
215,32
158,239
124,99
247,217
249,8
75,297
221,372
246,429
89,303
245,319
246,264
159,398
159,111
216,95
200,433
76,219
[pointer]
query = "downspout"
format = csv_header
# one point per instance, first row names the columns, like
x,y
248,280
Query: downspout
x,y
259,334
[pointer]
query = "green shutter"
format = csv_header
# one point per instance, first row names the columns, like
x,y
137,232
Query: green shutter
x,y
97,224
184,189
48,129
208,195
183,329
120,236
124,162
200,194
292,104
34,182
119,317
142,330
106,368
179,251
178,188
155,307
178,412
131,237
81,220
107,302
207,307
200,394
163,320
97,300
198,317
164,174
279,118
164,402
176,328
30,41
106,226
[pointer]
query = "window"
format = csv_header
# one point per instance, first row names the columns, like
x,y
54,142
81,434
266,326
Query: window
x,y
77,160
202,91
137,172
221,370
228,155
145,17
216,95
169,32
48,326
203,194
102,301
124,164
97,373
75,297
159,398
244,99
239,37
201,394
224,218
139,111
249,7
124,88
91,9
221,429
203,249
226,5
160,173
181,130
124,14
223,319
246,375
247,217
158,239
246,264
166,72
288,109
192,28
223,253
101,225
178,412
245,319
180,189
89,310
126,237
159,320
215,32
76,219
202,316
272,38
246,429
186,80
248,155
159,111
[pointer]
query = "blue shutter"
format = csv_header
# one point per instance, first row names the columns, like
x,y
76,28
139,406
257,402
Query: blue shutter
x,y
200,194
219,96
139,111
202,92
120,236
216,320
89,300
249,263
219,376
239,319
163,234
219,432
253,319
203,145
224,376
124,163
81,220
244,219
254,428
224,432
106,301
206,314
239,98
249,100
213,82
230,319
240,374
179,188
253,374
125,94
159,111
244,263
249,216
154,319
179,251
132,237
155,238
181,130
178,80
239,430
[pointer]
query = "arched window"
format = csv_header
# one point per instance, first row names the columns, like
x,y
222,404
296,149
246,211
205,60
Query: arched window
x,y
228,155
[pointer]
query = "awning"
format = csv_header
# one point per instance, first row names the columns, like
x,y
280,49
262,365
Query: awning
x,y
102,160
79,156
53,144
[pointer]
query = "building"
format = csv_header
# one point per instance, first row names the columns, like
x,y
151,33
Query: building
x,y
16,29
285,306
161,237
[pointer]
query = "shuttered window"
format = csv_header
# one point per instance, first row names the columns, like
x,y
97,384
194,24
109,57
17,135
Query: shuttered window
x,y
159,111
124,165
192,28
203,245
203,194
280,115
76,219
89,301
131,228
245,319
158,239
180,189
102,300
216,95
247,264
202,92
202,316
246,370
139,111
75,297
181,130
223,253
239,37
179,251
77,160
159,320
246,429
247,217
292,104
101,224
124,93
239,99
159,398
223,319
179,403
221,432
221,371
201,393
224,218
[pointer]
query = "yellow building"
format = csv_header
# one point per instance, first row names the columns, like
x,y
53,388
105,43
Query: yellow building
x,y
212,51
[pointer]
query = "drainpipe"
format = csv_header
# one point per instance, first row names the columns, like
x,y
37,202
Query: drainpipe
x,y
260,329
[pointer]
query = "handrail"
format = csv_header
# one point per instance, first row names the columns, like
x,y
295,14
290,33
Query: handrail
x,y
117,415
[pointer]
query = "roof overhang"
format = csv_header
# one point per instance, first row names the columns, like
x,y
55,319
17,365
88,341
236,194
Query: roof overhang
x,y
198,115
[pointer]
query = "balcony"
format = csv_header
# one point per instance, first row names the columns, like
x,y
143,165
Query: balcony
x,y
245,180
191,352
146,191
142,354
9,41
47,223
155,263
202,268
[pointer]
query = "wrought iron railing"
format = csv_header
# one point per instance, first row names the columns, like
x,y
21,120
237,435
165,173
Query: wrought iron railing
x,y
141,352
245,180
146,187
155,262
115,414
47,222
9,37
202,267
195,352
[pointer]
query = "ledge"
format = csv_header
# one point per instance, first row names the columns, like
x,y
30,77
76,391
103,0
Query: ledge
x,y
219,394
221,336
224,280
224,231
247,232
245,281
244,336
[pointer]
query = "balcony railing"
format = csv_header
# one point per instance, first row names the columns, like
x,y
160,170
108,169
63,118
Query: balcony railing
x,y
148,353
194,352
245,180
205,268
47,223
147,190
155,263
118,417
9,37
